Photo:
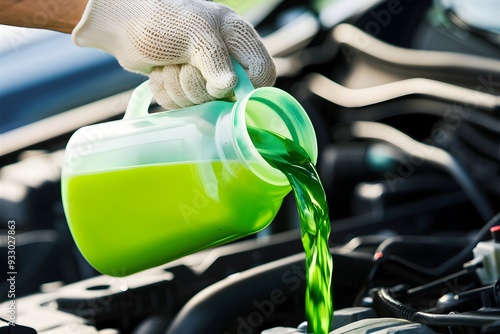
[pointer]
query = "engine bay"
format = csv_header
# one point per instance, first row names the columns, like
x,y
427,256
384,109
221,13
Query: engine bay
x,y
404,97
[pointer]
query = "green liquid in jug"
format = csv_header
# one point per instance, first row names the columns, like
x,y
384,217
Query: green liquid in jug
x,y
291,159
162,212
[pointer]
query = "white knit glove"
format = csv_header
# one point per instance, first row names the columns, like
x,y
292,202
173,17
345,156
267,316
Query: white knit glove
x,y
183,45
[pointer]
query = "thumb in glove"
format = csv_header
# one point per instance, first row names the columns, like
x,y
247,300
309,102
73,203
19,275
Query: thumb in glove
x,y
184,46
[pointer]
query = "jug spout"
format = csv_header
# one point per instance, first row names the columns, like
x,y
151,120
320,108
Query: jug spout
x,y
270,109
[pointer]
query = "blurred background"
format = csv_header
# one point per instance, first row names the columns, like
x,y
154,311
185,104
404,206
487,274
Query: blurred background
x,y
405,100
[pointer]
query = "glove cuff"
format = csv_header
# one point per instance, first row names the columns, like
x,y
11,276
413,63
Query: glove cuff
x,y
104,25
95,27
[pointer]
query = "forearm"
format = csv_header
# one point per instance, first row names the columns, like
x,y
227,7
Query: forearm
x,y
58,15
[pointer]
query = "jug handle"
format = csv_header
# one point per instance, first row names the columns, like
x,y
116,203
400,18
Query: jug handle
x,y
141,97
244,85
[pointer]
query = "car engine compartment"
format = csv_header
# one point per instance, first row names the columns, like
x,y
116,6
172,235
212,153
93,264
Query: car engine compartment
x,y
405,100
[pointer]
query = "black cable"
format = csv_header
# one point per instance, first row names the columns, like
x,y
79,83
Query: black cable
x,y
405,265
465,253
429,287
452,264
425,318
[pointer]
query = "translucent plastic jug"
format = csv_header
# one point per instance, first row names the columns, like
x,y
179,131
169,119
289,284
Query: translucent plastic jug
x,y
150,188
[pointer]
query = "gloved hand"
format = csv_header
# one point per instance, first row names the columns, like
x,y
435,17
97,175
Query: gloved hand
x,y
183,45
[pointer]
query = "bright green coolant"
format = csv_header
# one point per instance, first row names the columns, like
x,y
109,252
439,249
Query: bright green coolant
x,y
291,159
